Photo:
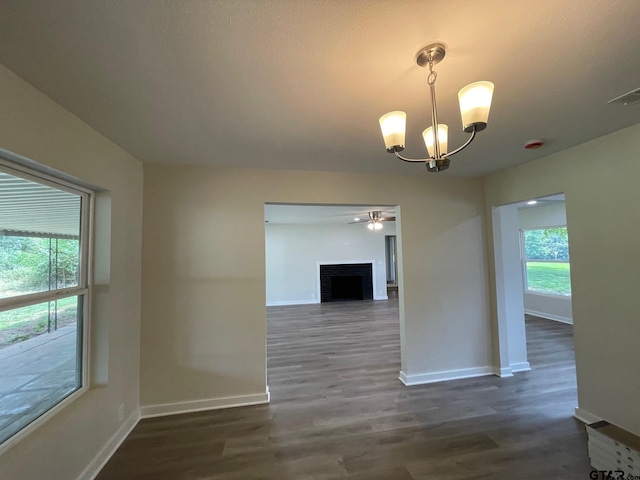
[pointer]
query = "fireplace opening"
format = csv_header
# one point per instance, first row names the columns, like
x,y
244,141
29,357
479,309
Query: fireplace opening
x,y
351,281
346,288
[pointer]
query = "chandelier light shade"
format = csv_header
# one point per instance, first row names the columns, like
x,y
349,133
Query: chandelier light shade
x,y
475,103
394,126
443,139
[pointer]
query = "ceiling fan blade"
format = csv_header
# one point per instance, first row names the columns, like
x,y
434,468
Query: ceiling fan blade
x,y
359,221
388,219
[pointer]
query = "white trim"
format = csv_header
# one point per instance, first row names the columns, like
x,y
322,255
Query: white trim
x,y
104,455
292,302
51,178
434,377
30,427
380,297
549,316
39,173
347,262
503,372
546,294
162,410
585,417
508,291
520,367
28,299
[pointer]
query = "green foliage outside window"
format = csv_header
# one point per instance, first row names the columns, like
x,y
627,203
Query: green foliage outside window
x,y
547,244
32,264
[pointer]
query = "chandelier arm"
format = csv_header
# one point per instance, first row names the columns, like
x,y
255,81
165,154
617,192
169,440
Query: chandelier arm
x,y
466,144
412,160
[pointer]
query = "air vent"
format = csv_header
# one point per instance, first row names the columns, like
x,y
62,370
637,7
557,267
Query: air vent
x,y
631,98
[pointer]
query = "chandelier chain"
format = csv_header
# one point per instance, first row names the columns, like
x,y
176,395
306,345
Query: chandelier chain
x,y
431,78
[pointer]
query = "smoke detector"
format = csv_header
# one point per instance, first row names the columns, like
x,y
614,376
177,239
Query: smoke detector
x,y
534,144
628,99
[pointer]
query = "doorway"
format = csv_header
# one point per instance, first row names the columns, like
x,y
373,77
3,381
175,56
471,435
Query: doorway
x,y
302,240
329,318
533,286
391,255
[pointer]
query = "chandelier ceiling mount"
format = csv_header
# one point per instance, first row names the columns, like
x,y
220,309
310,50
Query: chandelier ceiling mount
x,y
433,53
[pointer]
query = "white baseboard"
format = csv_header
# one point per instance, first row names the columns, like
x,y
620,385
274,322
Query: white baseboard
x,y
520,367
381,297
503,372
549,316
584,416
162,410
101,459
292,302
424,378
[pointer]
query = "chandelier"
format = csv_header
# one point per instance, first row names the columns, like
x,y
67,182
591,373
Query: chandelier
x,y
475,102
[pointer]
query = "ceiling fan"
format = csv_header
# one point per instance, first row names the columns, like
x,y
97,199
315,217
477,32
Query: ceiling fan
x,y
375,220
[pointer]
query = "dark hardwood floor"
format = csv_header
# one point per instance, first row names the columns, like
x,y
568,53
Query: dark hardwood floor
x,y
338,411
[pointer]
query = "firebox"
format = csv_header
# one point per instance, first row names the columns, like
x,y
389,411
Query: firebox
x,y
348,281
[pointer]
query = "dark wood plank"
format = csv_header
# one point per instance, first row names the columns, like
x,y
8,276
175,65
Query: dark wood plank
x,y
339,411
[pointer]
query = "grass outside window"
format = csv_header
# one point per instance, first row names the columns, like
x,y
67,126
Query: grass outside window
x,y
549,277
27,322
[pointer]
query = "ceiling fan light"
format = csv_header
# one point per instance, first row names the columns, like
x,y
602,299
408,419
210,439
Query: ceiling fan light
x,y
377,226
443,136
475,103
370,226
393,126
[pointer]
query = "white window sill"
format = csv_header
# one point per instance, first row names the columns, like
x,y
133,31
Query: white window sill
x,y
34,425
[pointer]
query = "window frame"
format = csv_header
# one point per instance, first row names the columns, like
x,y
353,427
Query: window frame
x,y
523,262
84,287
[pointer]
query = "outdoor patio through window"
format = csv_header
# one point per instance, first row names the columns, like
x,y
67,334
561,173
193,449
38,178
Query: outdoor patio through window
x,y
43,289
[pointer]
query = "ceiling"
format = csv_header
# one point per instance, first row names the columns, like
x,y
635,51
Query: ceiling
x,y
300,84
321,214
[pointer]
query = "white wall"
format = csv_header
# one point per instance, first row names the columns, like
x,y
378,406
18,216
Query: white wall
x,y
34,126
509,290
602,199
293,253
203,321
553,307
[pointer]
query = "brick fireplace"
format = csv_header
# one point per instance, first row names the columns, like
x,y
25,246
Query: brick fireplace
x,y
346,281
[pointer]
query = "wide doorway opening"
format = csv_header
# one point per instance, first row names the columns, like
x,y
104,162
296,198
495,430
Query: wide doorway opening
x,y
533,287
331,326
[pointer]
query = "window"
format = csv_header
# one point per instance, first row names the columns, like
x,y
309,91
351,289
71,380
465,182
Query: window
x,y
43,295
546,261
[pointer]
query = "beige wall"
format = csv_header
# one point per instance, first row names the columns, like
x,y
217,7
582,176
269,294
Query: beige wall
x,y
600,181
203,316
34,126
